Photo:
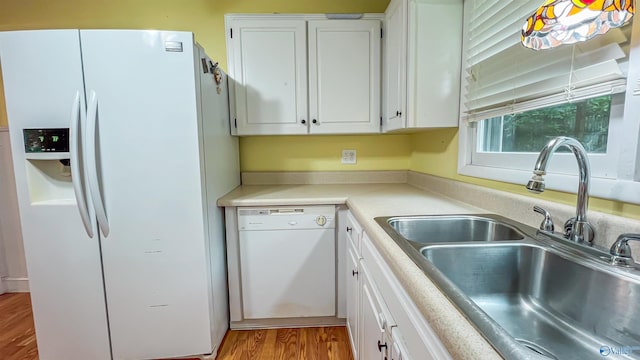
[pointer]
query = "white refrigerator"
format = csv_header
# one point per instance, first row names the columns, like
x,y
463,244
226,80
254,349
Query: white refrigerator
x,y
121,146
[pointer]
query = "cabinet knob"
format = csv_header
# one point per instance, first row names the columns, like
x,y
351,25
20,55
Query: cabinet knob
x,y
354,272
303,121
349,229
314,121
397,113
380,346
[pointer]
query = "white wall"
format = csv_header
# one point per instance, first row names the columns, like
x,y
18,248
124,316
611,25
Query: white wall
x,y
13,267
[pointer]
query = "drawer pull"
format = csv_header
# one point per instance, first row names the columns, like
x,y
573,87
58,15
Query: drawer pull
x,y
380,346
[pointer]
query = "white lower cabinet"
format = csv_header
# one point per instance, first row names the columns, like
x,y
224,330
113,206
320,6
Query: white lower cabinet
x,y
397,349
382,320
353,233
375,323
353,298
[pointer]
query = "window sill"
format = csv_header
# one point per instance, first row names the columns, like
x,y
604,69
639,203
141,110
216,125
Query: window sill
x,y
611,189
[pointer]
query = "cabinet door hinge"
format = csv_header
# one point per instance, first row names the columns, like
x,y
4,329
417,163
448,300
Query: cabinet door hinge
x,y
205,68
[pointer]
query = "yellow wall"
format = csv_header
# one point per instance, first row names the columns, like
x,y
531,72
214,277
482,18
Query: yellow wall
x,y
436,153
314,153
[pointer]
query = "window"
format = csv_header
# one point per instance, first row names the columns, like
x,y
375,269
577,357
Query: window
x,y
515,100
513,141
529,131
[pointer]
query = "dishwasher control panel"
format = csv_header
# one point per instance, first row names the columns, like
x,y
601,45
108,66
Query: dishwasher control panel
x,y
287,217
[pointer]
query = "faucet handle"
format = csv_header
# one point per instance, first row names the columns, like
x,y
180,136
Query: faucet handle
x,y
621,249
547,223
579,231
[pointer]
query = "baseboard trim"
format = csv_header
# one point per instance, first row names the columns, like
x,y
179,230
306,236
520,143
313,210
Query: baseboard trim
x,y
255,324
20,285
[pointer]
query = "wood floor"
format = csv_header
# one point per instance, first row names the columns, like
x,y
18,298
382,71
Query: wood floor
x,y
18,340
325,343
17,335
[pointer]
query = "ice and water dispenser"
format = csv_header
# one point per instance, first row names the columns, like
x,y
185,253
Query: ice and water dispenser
x,y
47,165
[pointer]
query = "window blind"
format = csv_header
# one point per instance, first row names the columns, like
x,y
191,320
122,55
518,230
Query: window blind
x,y
503,77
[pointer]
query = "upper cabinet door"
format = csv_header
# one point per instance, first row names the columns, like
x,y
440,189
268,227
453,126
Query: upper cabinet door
x,y
422,66
268,62
344,76
434,63
395,70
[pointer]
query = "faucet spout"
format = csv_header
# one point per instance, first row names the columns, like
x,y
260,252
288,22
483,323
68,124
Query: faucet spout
x,y
580,230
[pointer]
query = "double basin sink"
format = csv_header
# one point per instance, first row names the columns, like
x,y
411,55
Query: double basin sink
x,y
532,295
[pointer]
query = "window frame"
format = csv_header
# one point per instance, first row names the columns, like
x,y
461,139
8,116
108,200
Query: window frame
x,y
623,148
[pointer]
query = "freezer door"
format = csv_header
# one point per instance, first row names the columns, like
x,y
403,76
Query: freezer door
x,y
149,180
42,74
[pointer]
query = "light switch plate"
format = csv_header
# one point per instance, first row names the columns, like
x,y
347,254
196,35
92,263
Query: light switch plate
x,y
349,157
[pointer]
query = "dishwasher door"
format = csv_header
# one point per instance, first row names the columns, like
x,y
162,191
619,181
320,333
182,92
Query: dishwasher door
x,y
289,272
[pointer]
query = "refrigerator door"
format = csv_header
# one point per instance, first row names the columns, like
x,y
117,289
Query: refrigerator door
x,y
42,73
222,175
150,181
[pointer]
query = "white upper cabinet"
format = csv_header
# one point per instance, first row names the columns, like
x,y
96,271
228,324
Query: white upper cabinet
x,y
423,52
304,74
344,76
268,62
395,76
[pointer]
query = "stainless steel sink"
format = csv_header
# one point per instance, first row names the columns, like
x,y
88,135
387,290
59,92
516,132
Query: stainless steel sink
x,y
555,305
450,228
534,296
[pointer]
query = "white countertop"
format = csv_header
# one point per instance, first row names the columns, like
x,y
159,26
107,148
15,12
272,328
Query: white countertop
x,y
367,201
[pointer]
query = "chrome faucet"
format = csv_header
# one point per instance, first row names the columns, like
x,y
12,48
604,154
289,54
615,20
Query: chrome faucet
x,y
576,229
621,251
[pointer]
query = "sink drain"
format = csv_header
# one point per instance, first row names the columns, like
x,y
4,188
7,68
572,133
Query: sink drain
x,y
537,349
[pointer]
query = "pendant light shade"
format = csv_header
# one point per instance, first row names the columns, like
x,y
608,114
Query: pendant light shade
x,y
559,22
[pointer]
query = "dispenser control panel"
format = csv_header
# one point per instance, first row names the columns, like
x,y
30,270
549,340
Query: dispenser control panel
x,y
46,140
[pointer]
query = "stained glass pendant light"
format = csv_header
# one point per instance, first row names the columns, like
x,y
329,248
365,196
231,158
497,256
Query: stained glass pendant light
x,y
559,22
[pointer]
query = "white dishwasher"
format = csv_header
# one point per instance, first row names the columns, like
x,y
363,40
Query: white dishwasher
x,y
287,261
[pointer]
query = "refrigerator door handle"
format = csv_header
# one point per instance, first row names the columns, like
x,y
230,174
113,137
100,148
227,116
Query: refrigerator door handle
x,y
92,167
74,159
